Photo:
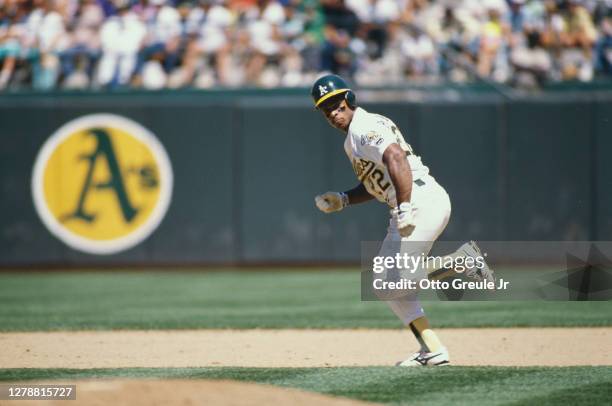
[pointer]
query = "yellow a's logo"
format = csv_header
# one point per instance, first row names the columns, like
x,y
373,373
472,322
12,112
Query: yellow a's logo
x,y
102,183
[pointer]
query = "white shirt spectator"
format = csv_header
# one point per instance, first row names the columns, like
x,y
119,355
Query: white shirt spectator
x,y
167,25
33,22
210,26
153,76
122,38
274,14
122,34
262,27
50,32
536,59
88,25
387,10
418,47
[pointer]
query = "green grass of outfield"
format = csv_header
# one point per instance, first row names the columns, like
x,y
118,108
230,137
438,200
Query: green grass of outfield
x,y
418,386
244,299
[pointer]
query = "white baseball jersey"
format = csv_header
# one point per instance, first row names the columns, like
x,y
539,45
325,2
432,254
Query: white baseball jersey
x,y
368,137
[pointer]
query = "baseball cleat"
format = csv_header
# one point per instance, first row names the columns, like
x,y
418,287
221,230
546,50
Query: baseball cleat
x,y
483,273
427,359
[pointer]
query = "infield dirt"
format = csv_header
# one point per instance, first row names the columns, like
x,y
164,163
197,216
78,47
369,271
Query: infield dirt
x,y
300,348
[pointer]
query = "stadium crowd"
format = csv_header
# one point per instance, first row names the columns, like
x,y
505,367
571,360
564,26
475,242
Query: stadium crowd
x,y
153,44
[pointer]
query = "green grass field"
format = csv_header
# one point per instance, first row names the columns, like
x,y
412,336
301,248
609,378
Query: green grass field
x,y
297,299
248,299
441,386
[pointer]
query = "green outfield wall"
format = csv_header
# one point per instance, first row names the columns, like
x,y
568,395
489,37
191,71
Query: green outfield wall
x,y
246,166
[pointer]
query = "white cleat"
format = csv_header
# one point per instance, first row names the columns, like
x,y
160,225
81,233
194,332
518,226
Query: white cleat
x,y
484,273
427,359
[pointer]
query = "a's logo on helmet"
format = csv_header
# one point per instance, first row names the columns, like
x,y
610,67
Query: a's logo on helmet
x,y
322,90
102,183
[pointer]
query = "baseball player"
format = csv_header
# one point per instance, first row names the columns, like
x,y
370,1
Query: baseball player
x,y
389,171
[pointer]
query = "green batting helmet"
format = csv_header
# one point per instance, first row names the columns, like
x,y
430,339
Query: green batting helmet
x,y
329,86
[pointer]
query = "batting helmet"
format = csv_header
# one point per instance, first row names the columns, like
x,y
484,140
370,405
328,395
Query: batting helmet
x,y
329,86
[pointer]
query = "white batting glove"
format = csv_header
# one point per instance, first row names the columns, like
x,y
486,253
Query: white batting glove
x,y
406,213
331,201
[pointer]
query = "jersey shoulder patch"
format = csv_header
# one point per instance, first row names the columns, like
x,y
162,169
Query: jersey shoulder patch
x,y
372,138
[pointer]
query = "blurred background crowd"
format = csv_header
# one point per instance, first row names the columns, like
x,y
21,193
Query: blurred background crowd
x,y
153,44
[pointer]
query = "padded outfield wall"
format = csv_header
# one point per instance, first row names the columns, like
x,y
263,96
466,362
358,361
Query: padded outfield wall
x,y
246,166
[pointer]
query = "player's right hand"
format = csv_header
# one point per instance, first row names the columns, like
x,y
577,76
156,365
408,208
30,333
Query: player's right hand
x,y
331,201
406,213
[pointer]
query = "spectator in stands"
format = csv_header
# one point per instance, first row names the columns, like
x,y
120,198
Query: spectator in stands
x,y
83,50
160,53
49,34
492,40
209,25
122,38
419,54
263,22
375,17
292,30
312,37
577,37
203,43
516,17
145,10
604,48
341,25
454,33
10,47
530,61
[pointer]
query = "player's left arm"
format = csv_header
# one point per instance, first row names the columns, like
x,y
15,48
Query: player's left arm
x,y
358,194
400,173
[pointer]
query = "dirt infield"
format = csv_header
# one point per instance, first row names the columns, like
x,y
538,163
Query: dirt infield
x,y
177,392
300,348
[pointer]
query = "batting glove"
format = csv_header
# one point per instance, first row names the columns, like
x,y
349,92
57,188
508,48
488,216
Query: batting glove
x,y
331,201
406,213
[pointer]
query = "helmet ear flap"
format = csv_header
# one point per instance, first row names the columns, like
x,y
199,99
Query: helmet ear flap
x,y
350,99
